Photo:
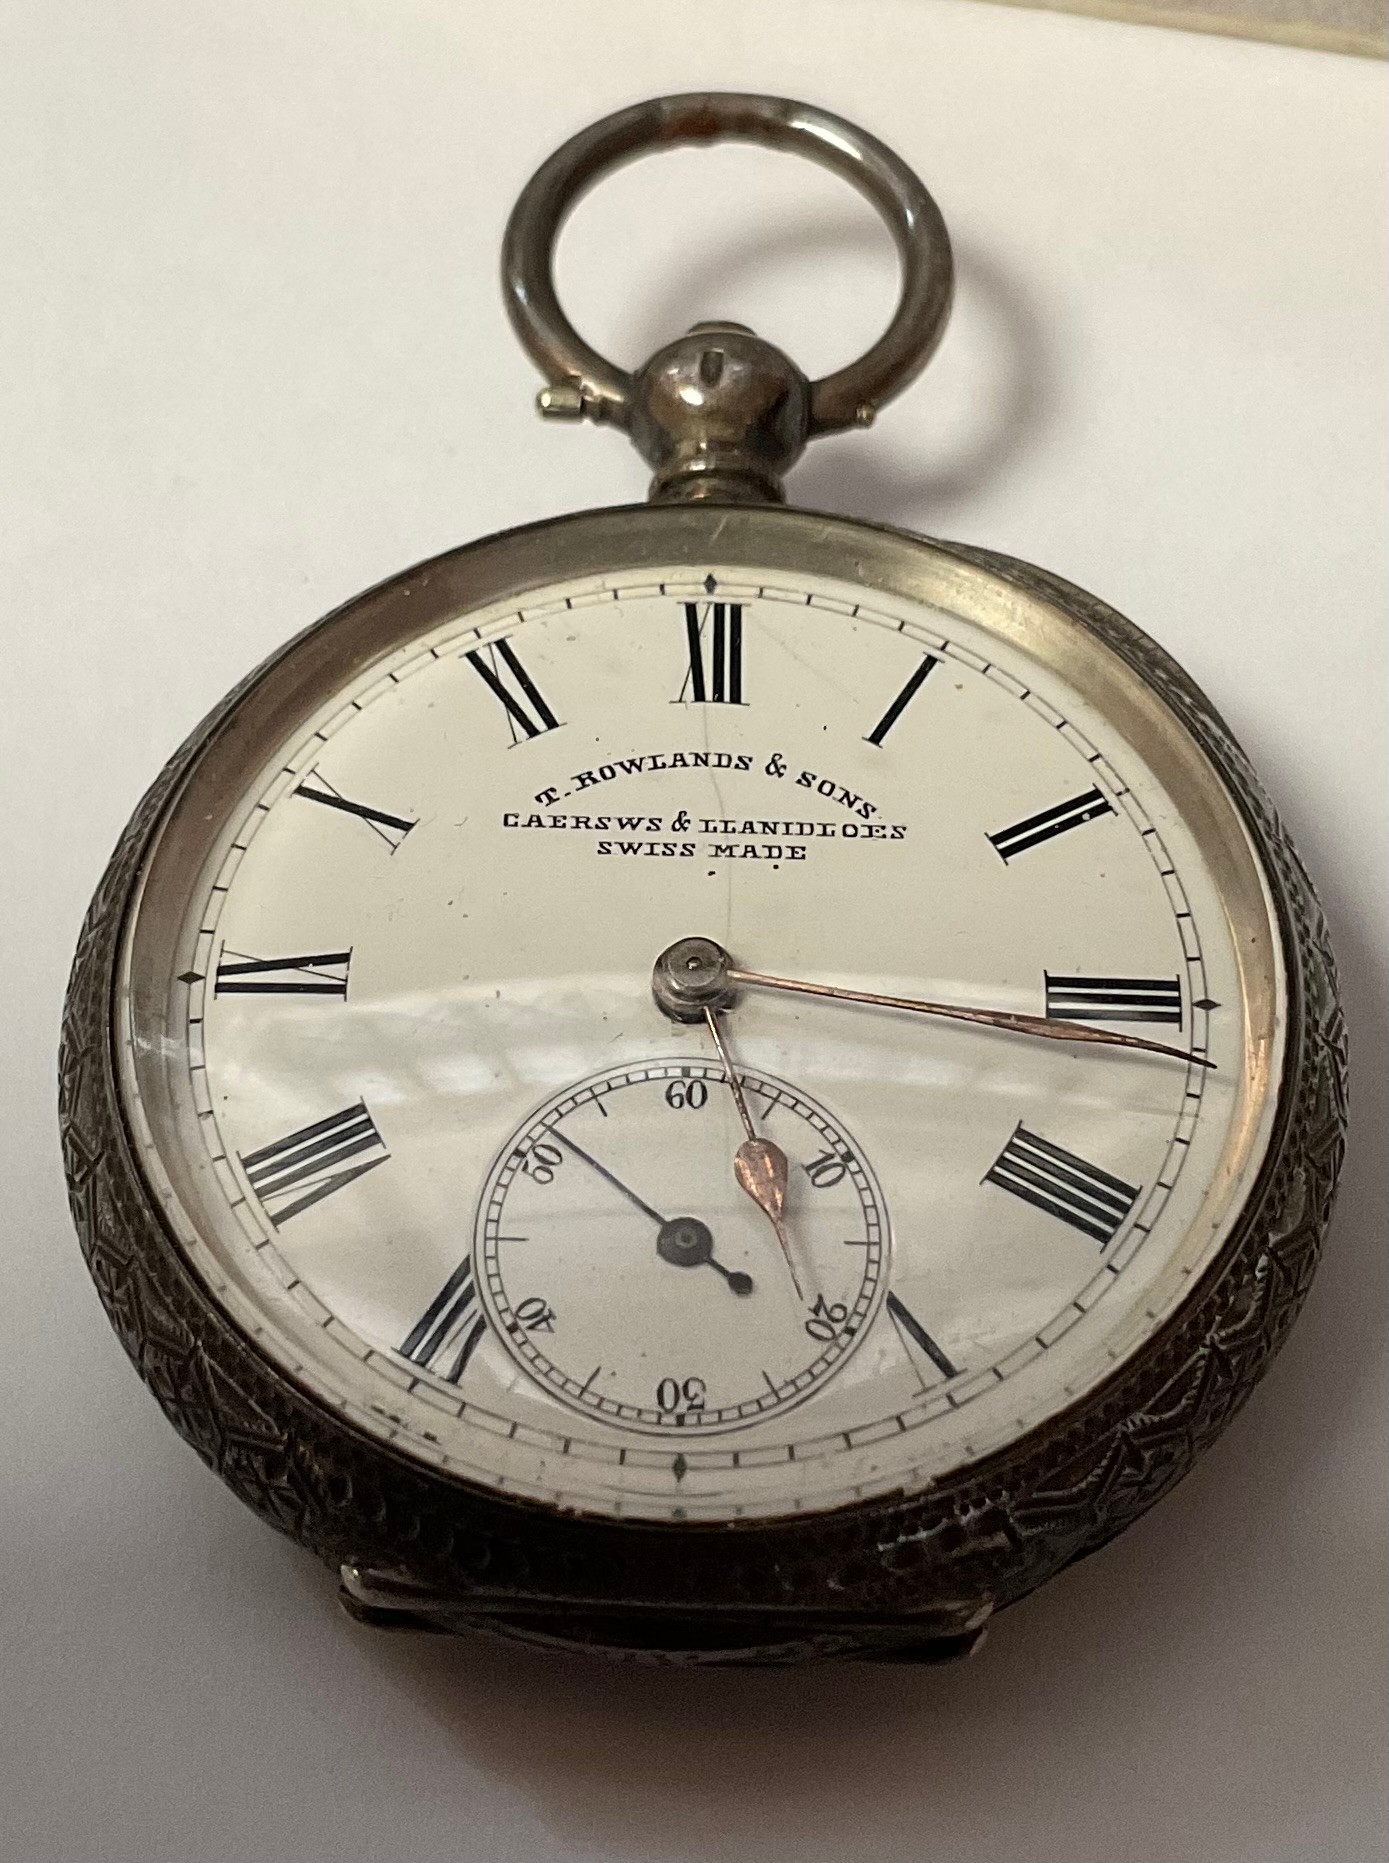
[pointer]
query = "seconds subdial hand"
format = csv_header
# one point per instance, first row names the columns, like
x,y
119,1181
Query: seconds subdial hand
x,y
683,1241
759,1164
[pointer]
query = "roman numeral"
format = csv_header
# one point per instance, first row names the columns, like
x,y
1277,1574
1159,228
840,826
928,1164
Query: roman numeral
x,y
503,674
1055,1180
910,1327
391,828
451,1328
1113,999
1010,842
901,702
719,679
296,1172
322,975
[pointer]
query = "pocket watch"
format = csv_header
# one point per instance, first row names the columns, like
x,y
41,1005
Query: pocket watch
x,y
706,1081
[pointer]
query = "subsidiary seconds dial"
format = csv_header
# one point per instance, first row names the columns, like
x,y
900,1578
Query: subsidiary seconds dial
x,y
625,1270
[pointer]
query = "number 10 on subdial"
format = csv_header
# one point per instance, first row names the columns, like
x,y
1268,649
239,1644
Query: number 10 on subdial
x,y
620,1263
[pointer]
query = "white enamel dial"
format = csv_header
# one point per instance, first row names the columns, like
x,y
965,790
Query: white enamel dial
x,y
395,1066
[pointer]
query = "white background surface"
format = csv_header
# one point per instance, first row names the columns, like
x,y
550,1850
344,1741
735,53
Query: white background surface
x,y
252,359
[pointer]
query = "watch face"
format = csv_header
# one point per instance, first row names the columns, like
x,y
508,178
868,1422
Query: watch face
x,y
394,1067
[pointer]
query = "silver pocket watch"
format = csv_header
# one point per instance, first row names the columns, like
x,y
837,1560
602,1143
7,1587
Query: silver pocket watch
x,y
706,1080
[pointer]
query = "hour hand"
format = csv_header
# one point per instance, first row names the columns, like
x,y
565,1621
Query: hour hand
x,y
759,1164
761,1169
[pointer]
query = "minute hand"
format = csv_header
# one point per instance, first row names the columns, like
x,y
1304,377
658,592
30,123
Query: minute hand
x,y
955,1012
